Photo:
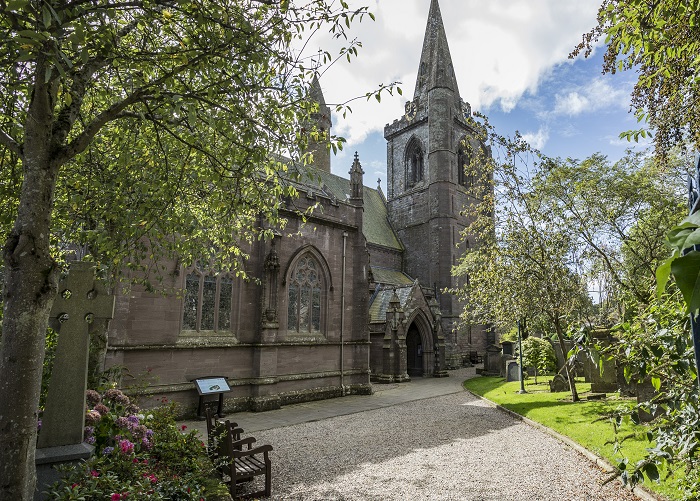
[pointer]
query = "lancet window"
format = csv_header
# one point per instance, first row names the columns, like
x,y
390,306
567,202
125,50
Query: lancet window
x,y
305,295
414,163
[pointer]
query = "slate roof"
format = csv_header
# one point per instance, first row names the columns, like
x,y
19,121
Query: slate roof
x,y
386,276
375,219
381,299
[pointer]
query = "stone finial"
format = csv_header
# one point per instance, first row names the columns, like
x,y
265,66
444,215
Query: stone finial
x,y
394,302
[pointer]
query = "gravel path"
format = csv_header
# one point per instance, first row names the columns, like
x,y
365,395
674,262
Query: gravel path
x,y
452,447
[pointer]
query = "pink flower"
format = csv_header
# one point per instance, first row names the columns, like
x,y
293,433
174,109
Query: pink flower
x,y
95,473
115,497
126,446
183,427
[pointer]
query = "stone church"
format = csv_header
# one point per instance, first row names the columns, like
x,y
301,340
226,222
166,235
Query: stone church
x,y
354,295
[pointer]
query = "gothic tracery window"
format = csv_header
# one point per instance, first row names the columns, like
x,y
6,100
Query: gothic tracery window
x,y
414,163
208,301
304,296
465,175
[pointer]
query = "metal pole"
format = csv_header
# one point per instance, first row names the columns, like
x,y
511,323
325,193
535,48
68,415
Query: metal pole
x,y
693,206
695,328
520,349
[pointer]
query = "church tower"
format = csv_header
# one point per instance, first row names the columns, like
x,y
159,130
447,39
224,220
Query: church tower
x,y
427,187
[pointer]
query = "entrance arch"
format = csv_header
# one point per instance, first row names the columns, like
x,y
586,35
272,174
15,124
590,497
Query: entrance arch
x,y
414,352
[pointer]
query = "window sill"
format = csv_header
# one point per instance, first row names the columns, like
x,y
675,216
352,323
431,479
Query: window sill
x,y
207,338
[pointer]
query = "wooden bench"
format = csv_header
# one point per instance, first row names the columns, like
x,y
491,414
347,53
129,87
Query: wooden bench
x,y
241,464
216,431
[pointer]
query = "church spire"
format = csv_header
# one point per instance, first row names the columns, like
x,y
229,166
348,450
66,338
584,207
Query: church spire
x,y
322,122
435,69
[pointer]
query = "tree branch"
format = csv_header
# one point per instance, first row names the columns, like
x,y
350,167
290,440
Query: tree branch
x,y
10,144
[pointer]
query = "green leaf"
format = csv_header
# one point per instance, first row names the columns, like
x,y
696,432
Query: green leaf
x,y
656,382
663,274
652,472
686,271
46,14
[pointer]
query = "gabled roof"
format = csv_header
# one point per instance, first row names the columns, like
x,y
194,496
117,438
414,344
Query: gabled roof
x,y
387,276
382,298
375,219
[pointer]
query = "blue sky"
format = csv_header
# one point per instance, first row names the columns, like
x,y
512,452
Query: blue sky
x,y
511,62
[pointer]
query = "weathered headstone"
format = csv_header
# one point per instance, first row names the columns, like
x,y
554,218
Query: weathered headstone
x,y
507,347
645,392
512,371
80,301
558,383
607,381
492,361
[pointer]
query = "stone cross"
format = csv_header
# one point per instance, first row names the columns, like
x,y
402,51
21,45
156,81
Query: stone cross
x,y
79,302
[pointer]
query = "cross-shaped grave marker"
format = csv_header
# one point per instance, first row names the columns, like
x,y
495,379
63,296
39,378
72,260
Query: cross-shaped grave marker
x,y
80,301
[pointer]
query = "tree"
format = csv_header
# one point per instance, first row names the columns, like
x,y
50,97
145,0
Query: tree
x,y
619,213
518,264
539,354
659,40
153,126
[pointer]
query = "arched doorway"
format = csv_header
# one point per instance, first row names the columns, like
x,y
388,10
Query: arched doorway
x,y
414,352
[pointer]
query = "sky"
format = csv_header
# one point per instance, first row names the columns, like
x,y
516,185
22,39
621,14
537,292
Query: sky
x,y
511,59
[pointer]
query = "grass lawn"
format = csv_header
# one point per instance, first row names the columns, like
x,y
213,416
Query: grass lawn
x,y
579,421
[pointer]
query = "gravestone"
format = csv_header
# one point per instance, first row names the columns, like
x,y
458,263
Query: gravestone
x,y
492,361
512,371
507,347
558,383
80,301
645,392
607,381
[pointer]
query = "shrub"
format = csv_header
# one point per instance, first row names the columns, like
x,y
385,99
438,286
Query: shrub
x,y
538,353
137,455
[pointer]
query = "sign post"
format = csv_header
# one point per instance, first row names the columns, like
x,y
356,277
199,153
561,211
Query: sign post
x,y
208,386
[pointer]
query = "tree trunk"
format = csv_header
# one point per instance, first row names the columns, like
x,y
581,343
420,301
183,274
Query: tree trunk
x,y
569,376
29,289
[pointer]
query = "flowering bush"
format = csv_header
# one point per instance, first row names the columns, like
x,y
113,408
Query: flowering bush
x,y
137,456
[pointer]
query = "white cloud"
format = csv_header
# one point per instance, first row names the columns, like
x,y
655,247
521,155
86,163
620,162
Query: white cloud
x,y
501,49
594,96
537,139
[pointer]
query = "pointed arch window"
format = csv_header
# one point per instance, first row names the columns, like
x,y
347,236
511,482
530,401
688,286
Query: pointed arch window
x,y
465,176
305,294
208,301
414,163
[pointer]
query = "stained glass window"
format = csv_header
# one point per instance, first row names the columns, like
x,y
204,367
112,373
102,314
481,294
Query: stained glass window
x,y
207,302
189,321
225,297
304,305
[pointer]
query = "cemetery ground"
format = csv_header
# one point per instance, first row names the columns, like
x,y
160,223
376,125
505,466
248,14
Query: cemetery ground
x,y
588,423
452,446
428,439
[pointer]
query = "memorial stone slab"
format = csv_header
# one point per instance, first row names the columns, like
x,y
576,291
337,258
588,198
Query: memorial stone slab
x,y
558,383
512,371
